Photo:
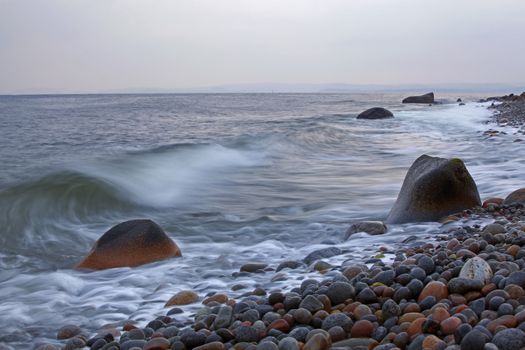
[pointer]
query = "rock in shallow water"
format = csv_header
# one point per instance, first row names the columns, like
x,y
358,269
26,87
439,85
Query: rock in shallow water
x,y
322,254
376,113
426,98
130,243
433,188
183,298
68,331
370,227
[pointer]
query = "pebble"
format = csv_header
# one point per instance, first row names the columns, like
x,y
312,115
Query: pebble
x,y
476,269
427,264
157,344
390,309
338,292
436,289
267,345
212,346
288,343
224,317
317,342
509,339
74,343
246,334
362,329
184,297
290,264
474,340
462,285
218,298
337,320
370,227
253,267
517,278
322,254
312,304
68,331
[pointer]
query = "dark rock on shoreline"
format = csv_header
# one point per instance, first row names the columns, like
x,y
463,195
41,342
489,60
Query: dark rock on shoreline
x,y
376,113
426,98
131,243
434,188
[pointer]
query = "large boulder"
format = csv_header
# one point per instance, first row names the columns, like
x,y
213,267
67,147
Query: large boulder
x,y
433,188
516,197
376,113
426,98
130,243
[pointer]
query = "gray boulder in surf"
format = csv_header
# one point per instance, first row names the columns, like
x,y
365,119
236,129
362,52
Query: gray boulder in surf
x,y
376,113
426,98
434,188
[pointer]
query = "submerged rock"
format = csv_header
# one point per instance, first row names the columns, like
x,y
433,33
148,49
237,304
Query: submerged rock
x,y
433,188
426,98
370,227
376,113
130,243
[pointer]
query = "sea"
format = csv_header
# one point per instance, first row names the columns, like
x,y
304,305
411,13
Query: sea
x,y
232,178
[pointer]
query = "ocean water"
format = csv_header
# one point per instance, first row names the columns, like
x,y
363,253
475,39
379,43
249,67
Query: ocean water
x,y
232,178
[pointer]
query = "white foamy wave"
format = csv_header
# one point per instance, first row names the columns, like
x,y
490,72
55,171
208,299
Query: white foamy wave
x,y
174,176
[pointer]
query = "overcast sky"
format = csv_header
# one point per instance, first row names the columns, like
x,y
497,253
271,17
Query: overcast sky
x,y
101,45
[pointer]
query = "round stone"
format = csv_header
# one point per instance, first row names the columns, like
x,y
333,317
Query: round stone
x,y
338,292
183,298
157,344
302,316
247,334
509,339
338,319
362,329
450,325
390,309
474,340
436,289
68,331
427,264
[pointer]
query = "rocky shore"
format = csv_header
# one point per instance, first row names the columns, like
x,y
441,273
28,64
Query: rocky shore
x,y
463,290
509,110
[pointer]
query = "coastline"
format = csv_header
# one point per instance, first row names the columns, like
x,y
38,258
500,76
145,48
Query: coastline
x,y
267,317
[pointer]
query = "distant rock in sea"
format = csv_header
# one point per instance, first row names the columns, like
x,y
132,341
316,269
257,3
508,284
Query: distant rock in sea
x,y
426,98
434,188
376,113
130,243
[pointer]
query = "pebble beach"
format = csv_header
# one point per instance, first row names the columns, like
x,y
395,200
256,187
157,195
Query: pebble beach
x,y
460,287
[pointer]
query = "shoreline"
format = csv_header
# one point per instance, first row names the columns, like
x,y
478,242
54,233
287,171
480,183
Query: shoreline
x,y
266,317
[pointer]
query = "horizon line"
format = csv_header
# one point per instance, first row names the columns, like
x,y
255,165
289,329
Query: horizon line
x,y
284,88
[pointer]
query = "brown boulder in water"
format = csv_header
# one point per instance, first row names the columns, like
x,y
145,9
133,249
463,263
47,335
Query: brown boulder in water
x,y
130,243
433,188
426,98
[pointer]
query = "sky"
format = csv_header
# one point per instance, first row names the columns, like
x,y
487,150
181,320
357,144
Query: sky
x,y
113,45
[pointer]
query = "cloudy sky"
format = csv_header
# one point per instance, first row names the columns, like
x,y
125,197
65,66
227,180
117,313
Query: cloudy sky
x,y
104,45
